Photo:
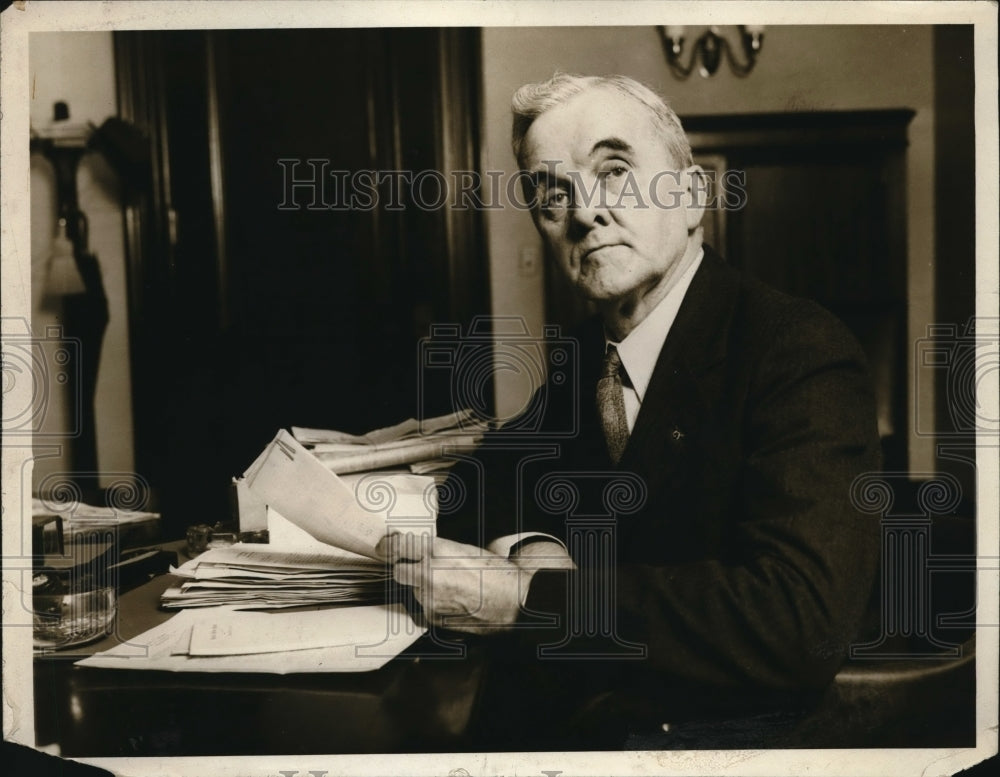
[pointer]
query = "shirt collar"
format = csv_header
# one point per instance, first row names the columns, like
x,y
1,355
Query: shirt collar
x,y
641,348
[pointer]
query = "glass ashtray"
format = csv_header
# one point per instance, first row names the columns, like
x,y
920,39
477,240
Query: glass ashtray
x,y
62,620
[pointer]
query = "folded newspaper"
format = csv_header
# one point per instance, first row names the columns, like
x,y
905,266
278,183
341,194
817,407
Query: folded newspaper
x,y
423,446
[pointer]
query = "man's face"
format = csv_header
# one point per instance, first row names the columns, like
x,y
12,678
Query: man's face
x,y
611,205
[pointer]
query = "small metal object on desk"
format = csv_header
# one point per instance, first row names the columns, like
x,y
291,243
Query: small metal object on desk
x,y
198,537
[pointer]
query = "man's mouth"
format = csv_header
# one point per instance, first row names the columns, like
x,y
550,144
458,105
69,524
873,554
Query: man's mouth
x,y
591,256
588,252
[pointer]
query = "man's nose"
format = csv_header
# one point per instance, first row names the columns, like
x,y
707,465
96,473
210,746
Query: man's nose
x,y
589,207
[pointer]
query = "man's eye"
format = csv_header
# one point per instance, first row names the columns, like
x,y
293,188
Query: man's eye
x,y
556,199
614,171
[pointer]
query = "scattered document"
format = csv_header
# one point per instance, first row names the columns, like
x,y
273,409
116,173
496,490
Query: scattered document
x,y
417,452
241,608
244,633
132,527
410,428
82,513
401,500
424,445
290,479
364,639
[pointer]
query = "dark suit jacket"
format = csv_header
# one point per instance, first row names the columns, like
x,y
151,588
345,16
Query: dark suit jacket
x,y
747,569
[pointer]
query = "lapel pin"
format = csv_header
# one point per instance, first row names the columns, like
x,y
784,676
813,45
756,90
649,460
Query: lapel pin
x,y
677,434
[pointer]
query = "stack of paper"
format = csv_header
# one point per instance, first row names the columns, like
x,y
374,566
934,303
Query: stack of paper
x,y
79,520
257,577
83,513
424,446
343,524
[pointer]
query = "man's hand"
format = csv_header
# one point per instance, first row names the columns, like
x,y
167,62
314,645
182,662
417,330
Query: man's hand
x,y
463,587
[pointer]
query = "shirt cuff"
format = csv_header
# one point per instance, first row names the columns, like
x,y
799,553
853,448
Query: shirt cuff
x,y
507,545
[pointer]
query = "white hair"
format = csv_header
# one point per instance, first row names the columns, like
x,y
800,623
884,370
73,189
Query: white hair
x,y
534,99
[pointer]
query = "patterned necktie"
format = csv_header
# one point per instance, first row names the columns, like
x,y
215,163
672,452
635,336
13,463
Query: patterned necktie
x,y
611,405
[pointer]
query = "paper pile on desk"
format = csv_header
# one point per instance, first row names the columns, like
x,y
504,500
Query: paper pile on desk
x,y
423,446
81,521
342,523
83,513
288,478
258,577
349,639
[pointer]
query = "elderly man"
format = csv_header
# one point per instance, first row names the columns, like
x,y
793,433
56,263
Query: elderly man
x,y
738,417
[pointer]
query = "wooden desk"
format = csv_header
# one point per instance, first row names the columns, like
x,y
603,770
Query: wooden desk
x,y
446,704
415,703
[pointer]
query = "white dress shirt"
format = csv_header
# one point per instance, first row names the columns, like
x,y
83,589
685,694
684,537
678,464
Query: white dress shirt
x,y
641,348
639,352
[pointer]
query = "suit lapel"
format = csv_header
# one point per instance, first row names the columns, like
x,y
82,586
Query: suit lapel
x,y
675,400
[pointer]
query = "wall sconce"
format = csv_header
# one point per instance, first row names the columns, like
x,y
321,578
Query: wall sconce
x,y
64,145
708,50
72,268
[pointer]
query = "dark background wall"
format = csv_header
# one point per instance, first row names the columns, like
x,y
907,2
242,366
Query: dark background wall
x,y
926,69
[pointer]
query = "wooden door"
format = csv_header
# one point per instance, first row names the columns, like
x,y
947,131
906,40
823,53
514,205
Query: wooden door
x,y
258,302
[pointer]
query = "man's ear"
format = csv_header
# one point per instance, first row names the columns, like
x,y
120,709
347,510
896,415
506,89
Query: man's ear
x,y
696,185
